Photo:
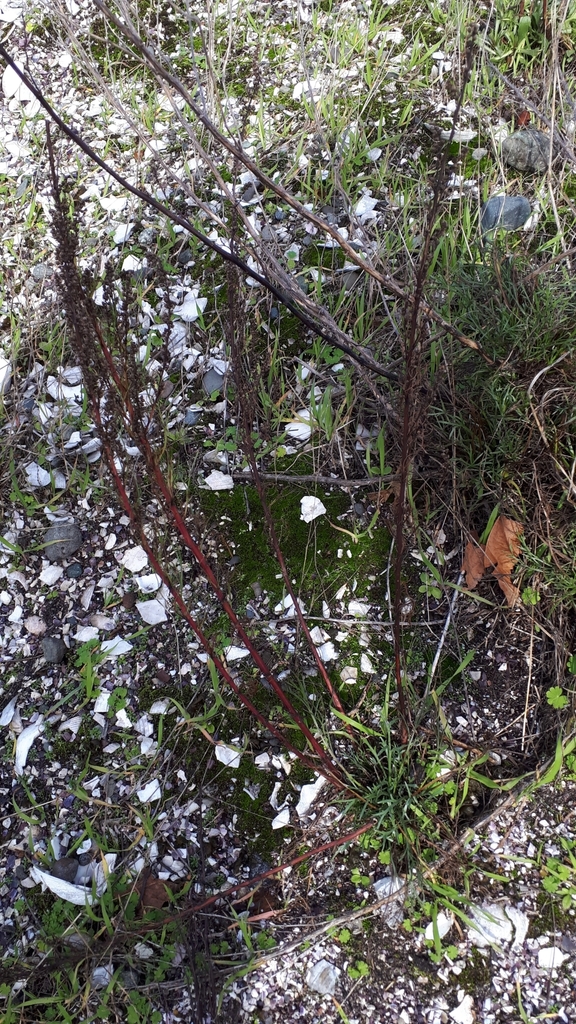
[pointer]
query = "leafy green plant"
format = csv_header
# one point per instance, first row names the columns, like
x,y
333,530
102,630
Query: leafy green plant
x,y
556,697
359,969
559,875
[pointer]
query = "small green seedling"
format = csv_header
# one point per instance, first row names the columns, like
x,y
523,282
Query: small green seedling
x,y
556,697
359,970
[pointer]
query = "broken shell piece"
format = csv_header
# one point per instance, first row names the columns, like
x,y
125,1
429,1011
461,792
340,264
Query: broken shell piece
x,y
311,508
24,742
550,957
349,674
229,756
135,559
308,794
282,818
151,791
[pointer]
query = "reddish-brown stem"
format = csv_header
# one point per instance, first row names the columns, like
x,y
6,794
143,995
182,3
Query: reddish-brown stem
x,y
152,465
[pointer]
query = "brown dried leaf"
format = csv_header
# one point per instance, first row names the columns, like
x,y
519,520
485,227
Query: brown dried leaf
x,y
154,893
473,564
502,550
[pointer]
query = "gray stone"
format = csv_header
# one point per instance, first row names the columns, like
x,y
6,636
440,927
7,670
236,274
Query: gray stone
x,y
212,381
65,868
322,977
41,271
527,150
53,649
279,215
147,236
267,234
62,541
350,279
506,212
192,416
74,571
185,257
330,216
568,943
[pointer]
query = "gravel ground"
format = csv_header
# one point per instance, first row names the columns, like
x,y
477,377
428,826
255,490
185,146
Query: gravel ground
x,y
102,768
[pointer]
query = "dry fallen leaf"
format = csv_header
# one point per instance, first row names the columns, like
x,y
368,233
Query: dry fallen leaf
x,y
502,550
473,564
153,893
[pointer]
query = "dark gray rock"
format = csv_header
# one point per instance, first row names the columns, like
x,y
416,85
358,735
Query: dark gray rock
x,y
330,216
74,571
185,257
212,381
267,234
568,943
527,150
507,212
53,649
279,215
65,868
62,541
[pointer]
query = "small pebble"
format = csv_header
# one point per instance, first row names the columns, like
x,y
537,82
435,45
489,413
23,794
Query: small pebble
x,y
212,381
53,649
527,150
65,868
61,541
73,571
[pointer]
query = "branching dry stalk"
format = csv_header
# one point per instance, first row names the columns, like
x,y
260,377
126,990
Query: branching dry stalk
x,y
112,402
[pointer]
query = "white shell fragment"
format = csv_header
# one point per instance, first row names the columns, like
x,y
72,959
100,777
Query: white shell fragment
x,y
492,925
5,375
191,308
464,1012
229,756
23,744
217,481
358,609
77,893
308,794
152,612
444,923
521,923
311,508
282,819
8,712
150,792
299,429
149,584
349,674
364,209
550,957
327,651
12,85
36,476
234,653
115,647
134,559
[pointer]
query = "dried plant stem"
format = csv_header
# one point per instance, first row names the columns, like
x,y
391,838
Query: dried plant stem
x,y
81,314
